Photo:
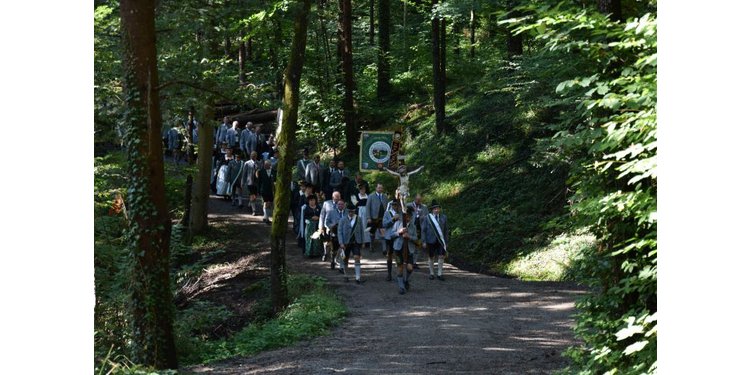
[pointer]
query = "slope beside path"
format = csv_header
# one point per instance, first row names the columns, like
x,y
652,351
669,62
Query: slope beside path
x,y
470,323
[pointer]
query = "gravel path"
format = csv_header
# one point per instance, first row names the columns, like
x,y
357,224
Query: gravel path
x,y
470,323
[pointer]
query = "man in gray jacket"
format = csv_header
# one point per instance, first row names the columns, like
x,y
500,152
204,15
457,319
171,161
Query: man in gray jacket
x,y
404,247
330,214
244,138
312,173
376,206
420,212
390,219
337,175
221,132
351,234
435,237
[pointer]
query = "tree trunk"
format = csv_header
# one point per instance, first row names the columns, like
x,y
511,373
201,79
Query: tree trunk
x,y
405,39
457,29
472,27
326,45
384,43
437,72
241,63
227,47
201,187
287,145
443,69
371,32
345,7
613,8
189,178
513,42
148,236
277,40
249,46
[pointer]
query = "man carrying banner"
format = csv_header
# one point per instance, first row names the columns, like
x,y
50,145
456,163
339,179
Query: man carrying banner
x,y
434,236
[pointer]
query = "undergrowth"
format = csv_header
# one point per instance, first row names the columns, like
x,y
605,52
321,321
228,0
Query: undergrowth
x,y
313,310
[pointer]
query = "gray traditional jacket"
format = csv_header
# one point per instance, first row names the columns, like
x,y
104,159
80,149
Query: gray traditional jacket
x,y
429,235
411,230
347,233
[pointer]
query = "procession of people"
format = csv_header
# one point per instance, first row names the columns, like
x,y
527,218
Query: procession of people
x,y
336,218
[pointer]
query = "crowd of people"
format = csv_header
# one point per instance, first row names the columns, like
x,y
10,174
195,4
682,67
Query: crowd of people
x,y
336,217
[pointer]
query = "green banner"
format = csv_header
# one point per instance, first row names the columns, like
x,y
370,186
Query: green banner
x,y
375,150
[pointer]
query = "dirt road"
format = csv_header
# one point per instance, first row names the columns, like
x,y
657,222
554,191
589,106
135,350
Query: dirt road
x,y
470,323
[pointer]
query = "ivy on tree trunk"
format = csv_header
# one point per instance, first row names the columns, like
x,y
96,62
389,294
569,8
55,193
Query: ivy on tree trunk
x,y
151,305
287,146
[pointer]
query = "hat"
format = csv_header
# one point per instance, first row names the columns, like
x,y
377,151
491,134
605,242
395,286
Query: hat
x,y
434,204
351,207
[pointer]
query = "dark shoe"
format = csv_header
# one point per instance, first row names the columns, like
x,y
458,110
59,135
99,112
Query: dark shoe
x,y
406,285
385,252
415,266
240,207
333,265
441,278
389,278
432,277
401,291
341,270
359,282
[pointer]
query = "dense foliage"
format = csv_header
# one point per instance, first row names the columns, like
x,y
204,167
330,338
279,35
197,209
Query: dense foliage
x,y
554,147
313,309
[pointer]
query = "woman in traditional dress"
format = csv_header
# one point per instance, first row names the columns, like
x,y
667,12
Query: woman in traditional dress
x,y
223,177
311,213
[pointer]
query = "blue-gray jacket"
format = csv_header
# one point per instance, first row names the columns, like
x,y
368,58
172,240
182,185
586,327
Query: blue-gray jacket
x,y
411,230
336,178
388,224
429,235
346,232
375,206
332,218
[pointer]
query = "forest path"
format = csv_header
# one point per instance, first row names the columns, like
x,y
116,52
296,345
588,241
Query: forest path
x,y
470,323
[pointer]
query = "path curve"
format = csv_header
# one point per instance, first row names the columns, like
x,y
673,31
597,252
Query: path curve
x,y
469,324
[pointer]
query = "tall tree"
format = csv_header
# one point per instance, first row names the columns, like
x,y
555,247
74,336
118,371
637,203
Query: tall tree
x,y
371,31
241,62
345,41
277,36
472,32
287,140
148,236
514,42
437,71
384,47
200,191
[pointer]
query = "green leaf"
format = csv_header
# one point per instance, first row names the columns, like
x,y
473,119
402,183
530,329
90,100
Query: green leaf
x,y
635,347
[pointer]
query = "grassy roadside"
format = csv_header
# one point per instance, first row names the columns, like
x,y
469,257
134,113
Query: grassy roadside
x,y
313,311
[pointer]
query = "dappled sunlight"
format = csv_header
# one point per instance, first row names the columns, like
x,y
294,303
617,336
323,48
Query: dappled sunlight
x,y
560,306
500,349
543,341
